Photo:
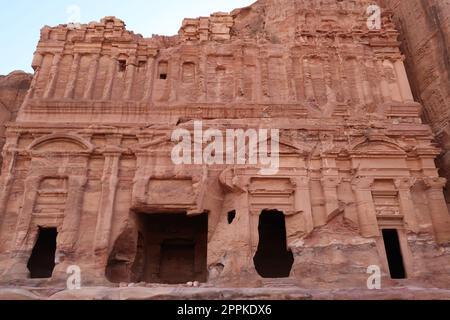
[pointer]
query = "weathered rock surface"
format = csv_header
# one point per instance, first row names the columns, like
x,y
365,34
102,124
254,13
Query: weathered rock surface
x,y
13,89
424,26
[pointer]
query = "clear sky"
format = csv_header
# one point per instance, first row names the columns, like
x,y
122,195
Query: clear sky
x,y
21,20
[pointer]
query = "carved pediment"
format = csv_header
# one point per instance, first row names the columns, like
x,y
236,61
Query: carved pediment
x,y
276,193
61,143
378,145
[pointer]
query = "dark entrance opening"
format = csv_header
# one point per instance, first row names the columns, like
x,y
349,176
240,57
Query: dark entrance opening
x,y
273,259
173,248
231,216
177,263
42,260
122,65
394,254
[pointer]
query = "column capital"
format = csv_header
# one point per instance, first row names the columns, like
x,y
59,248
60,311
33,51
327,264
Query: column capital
x,y
435,183
57,57
405,183
300,182
242,182
330,181
96,56
33,180
361,183
77,182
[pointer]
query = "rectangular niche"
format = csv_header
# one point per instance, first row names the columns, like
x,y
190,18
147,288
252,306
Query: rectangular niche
x,y
170,192
173,248
385,198
272,193
52,197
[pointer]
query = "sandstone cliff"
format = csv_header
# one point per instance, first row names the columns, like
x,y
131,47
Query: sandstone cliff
x,y
13,89
424,26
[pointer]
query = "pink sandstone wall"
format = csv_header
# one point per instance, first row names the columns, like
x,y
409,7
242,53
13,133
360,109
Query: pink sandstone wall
x,y
424,27
90,151
13,89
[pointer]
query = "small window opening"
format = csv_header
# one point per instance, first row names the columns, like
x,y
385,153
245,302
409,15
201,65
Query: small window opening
x,y
163,68
231,216
42,260
122,65
394,254
142,64
188,72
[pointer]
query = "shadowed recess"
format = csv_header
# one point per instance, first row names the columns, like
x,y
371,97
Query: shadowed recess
x,y
273,260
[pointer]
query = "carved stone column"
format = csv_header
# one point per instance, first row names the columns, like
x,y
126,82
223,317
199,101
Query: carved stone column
x,y
110,181
347,91
309,87
140,180
358,81
239,90
107,91
438,208
203,78
7,175
92,76
367,89
392,81
403,82
72,214
247,235
328,78
329,185
258,81
366,209
150,75
384,84
406,203
22,246
290,78
264,70
298,78
302,201
23,221
71,83
51,85
199,185
70,229
129,81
